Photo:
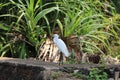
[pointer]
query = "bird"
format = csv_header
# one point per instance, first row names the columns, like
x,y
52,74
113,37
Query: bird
x,y
61,45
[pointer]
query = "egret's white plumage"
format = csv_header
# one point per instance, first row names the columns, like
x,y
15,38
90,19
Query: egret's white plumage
x,y
61,45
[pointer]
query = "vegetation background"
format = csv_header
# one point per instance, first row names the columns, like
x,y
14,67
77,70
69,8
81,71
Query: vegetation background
x,y
26,24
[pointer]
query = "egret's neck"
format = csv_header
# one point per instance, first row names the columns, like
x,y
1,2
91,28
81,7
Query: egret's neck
x,y
56,38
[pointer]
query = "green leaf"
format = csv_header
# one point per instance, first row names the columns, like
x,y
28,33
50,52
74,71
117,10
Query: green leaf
x,y
60,25
89,43
43,13
3,50
23,51
3,27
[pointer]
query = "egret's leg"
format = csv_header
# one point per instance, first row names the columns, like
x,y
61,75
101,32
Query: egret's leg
x,y
61,59
67,58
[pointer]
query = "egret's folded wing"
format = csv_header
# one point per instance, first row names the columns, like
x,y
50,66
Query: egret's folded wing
x,y
62,47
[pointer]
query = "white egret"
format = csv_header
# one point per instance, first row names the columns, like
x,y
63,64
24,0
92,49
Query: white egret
x,y
61,45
